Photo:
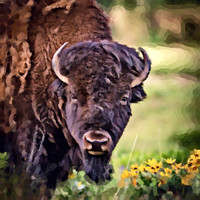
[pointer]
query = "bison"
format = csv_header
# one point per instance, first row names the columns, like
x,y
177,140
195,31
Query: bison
x,y
68,107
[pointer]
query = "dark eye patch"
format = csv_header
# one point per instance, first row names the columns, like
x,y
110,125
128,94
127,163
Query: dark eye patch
x,y
124,98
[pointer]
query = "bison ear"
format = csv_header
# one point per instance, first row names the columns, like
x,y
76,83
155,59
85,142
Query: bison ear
x,y
137,94
57,66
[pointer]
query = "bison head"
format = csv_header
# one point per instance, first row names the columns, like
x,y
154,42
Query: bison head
x,y
100,79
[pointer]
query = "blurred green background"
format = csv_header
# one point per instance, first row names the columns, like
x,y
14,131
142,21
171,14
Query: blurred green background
x,y
166,124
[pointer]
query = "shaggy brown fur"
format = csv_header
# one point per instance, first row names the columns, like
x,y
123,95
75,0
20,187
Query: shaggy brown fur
x,y
28,40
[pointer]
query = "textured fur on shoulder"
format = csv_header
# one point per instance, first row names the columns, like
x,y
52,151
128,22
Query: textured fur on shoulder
x,y
67,4
29,36
15,56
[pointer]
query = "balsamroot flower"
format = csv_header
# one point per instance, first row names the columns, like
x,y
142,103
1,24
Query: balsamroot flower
x,y
134,176
170,161
196,153
125,174
154,166
142,168
164,176
187,179
192,160
167,172
153,174
151,162
134,173
177,167
135,167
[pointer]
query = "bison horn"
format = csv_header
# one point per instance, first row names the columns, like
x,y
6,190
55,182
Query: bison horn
x,y
145,72
55,63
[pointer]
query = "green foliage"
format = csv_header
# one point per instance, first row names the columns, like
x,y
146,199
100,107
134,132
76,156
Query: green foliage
x,y
13,185
191,139
3,178
78,187
188,140
3,160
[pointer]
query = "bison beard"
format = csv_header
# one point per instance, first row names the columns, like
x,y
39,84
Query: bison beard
x,y
97,168
67,108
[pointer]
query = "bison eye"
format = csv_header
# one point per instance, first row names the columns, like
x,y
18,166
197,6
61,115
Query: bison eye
x,y
124,100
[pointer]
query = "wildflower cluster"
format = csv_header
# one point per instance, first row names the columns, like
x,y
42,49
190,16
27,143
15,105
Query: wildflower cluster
x,y
155,169
166,179
159,174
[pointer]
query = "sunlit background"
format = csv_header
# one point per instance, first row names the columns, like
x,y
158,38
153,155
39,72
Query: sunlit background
x,y
167,122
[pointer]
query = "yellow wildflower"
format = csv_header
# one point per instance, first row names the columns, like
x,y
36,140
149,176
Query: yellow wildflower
x,y
192,160
167,173
197,153
177,167
134,173
142,168
125,174
134,167
170,161
192,169
164,176
198,162
154,165
197,156
187,179
151,169
167,170
152,162
158,166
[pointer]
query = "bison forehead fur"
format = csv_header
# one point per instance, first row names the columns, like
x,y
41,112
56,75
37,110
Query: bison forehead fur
x,y
71,113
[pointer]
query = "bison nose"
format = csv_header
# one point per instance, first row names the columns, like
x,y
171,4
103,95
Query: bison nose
x,y
97,142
